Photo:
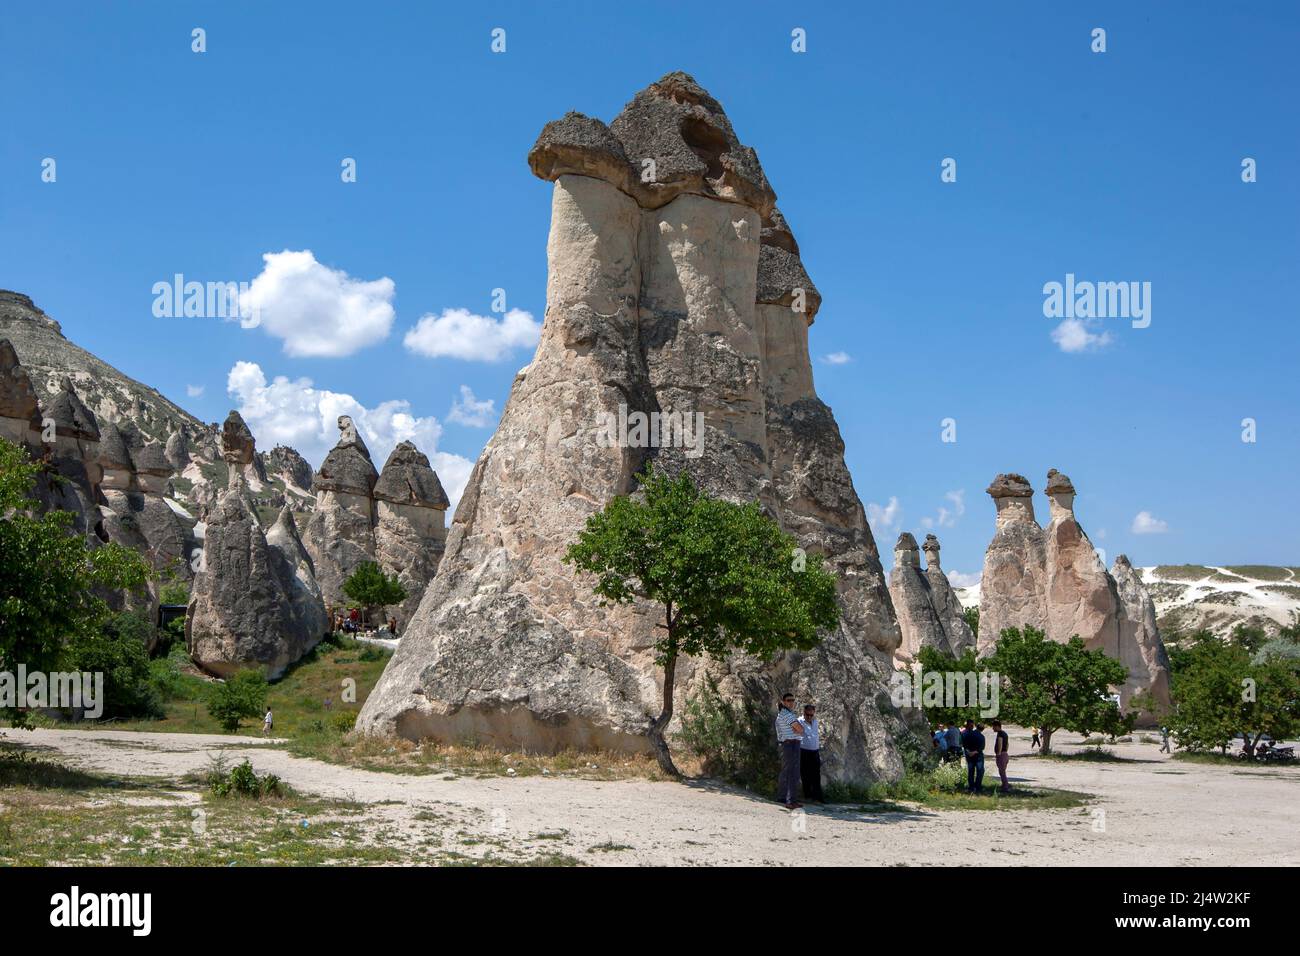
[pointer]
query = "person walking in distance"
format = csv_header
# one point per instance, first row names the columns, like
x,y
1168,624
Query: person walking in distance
x,y
1036,741
267,721
810,756
1164,740
788,732
1001,755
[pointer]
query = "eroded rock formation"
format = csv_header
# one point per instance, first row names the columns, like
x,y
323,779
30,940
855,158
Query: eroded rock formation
x,y
395,519
675,288
909,589
946,605
255,602
1053,579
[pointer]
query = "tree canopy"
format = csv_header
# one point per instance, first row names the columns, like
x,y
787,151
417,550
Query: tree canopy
x,y
51,577
728,578
1057,686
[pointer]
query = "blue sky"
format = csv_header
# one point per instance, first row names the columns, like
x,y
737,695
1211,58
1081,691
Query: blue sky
x,y
1115,166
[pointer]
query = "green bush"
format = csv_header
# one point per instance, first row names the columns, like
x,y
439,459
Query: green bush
x,y
242,781
120,652
344,722
734,739
242,695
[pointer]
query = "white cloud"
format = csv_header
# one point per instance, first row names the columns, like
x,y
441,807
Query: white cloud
x,y
468,410
458,333
297,414
1147,523
837,358
194,391
946,517
886,518
959,580
317,311
1073,335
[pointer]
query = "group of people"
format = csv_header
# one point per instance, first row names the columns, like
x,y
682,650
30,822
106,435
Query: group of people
x,y
351,622
953,744
801,759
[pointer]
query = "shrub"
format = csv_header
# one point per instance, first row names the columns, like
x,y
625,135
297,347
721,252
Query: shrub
x,y
242,781
120,652
240,696
733,739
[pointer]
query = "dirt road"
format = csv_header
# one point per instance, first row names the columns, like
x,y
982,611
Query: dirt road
x,y
1148,810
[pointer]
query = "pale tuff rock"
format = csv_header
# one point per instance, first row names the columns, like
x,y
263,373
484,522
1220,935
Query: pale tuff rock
x,y
410,529
177,451
1053,579
946,605
655,303
1140,647
239,451
1013,587
340,534
256,602
299,576
909,589
290,466
20,415
394,519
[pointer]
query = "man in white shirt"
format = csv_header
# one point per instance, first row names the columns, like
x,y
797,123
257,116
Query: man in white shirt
x,y
788,732
810,756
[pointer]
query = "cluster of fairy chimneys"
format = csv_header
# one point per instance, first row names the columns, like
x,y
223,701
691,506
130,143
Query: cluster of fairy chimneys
x,y
66,433
927,609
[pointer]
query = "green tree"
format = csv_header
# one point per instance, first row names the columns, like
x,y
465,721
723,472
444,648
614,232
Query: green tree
x,y
971,616
51,578
728,578
1218,691
1057,686
369,587
239,696
935,661
120,651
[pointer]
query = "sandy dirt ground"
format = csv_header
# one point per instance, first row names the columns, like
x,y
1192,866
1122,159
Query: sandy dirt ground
x,y
1149,811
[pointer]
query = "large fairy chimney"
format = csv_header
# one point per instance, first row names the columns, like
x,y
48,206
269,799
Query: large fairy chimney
x,y
944,599
675,288
1013,587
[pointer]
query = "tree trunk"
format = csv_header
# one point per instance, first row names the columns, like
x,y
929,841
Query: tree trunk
x,y
1047,742
661,722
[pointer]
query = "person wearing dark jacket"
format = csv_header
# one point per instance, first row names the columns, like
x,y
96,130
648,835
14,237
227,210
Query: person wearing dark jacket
x,y
1001,754
972,742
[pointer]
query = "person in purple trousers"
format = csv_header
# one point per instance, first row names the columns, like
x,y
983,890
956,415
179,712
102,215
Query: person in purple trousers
x,y
1000,753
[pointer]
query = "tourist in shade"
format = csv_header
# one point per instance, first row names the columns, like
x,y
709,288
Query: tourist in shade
x,y
788,732
810,756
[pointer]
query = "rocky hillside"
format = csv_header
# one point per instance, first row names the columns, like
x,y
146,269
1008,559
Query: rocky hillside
x,y
111,395
1190,597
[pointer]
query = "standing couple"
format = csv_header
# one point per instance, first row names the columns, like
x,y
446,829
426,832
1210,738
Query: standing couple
x,y
801,757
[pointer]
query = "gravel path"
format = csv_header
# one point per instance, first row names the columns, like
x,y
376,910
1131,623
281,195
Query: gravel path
x,y
1148,812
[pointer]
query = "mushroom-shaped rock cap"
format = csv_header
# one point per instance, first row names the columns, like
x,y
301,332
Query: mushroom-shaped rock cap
x,y
905,542
1010,485
71,416
17,394
671,138
581,145
1058,484
782,277
113,451
346,468
407,479
237,444
150,459
931,543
